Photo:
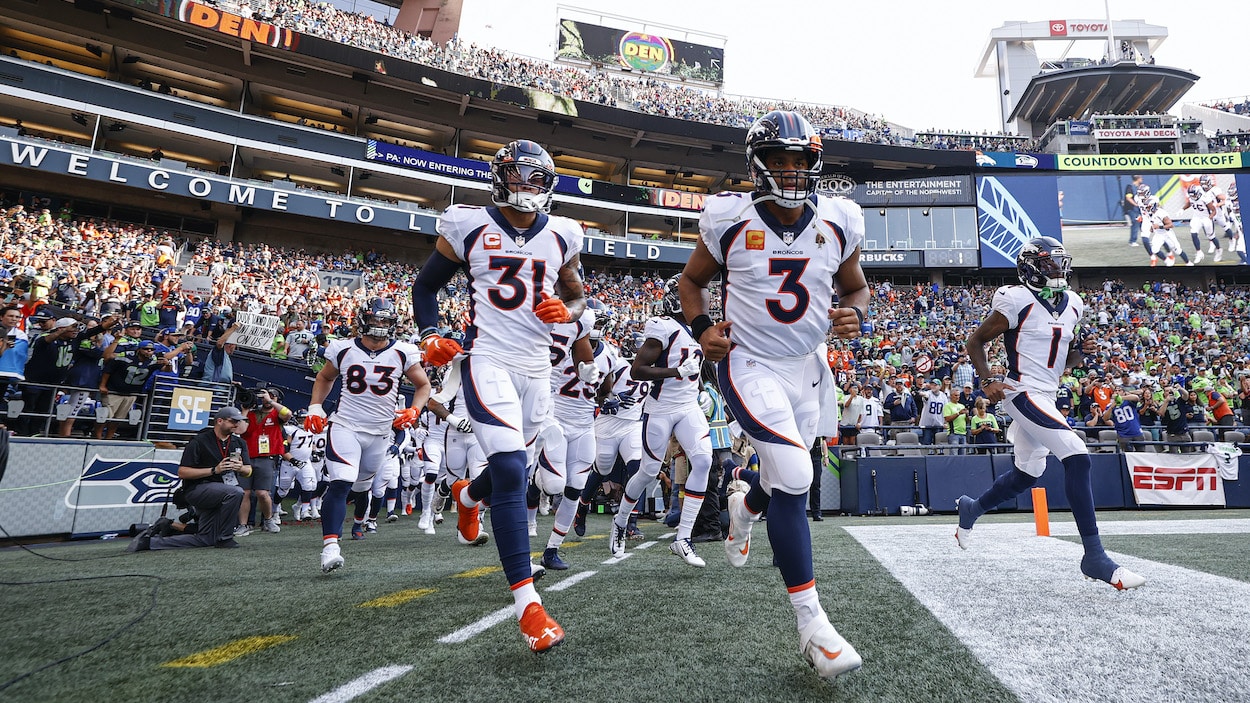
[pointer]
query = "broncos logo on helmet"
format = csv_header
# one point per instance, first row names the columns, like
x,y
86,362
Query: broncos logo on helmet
x,y
790,131
523,177
1044,264
377,318
1207,182
1195,192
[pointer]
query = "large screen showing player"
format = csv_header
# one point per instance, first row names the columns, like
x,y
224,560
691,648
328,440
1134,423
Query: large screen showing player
x,y
1090,215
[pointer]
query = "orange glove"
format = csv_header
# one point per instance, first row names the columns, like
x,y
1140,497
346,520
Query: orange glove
x,y
316,420
405,418
552,311
439,350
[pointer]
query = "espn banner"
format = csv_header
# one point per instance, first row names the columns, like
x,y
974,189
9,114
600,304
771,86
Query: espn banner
x,y
1175,479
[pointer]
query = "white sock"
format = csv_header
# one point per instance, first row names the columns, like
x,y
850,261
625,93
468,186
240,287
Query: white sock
x,y
689,512
531,514
623,512
522,595
564,521
427,497
464,499
806,604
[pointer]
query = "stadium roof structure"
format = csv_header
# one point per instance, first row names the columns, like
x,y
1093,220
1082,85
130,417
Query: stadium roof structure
x,y
1034,92
1122,88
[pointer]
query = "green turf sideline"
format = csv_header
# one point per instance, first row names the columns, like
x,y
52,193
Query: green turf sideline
x,y
703,634
1019,603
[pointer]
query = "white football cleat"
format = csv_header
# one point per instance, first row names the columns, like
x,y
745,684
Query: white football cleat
x,y
1197,257
426,522
616,543
1123,579
331,559
533,529
537,571
826,651
685,550
738,543
963,537
1211,249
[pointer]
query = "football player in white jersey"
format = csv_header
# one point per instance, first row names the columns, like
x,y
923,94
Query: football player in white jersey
x,y
575,379
308,454
1039,321
782,251
1159,232
618,428
462,457
1201,203
1223,218
516,258
671,361
372,367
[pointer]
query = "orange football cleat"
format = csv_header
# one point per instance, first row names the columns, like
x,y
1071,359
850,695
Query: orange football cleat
x,y
468,526
539,630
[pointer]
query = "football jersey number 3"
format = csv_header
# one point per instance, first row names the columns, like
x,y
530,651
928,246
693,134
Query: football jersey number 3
x,y
791,270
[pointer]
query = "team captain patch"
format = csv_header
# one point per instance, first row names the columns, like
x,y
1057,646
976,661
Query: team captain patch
x,y
755,239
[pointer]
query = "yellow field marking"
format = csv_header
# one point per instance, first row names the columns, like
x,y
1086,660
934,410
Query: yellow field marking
x,y
594,537
397,598
480,571
229,652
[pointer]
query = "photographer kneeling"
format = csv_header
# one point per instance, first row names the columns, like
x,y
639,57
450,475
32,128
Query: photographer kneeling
x,y
211,464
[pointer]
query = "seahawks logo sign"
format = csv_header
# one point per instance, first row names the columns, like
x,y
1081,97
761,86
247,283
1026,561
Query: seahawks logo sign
x,y
120,483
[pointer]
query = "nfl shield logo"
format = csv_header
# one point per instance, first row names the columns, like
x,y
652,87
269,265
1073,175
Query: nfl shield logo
x,y
788,238
520,241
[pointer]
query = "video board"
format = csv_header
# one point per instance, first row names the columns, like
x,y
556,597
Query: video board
x,y
1088,213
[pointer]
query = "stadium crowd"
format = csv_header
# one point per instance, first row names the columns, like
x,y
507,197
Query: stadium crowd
x,y
1237,108
647,94
1153,341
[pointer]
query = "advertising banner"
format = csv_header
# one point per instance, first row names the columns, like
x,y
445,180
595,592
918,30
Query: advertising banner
x,y
228,23
1175,479
211,187
639,51
902,259
929,191
1138,133
1079,128
1149,162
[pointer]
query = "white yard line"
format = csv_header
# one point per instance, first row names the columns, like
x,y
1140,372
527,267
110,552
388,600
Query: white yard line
x,y
645,545
617,560
362,685
469,631
1020,604
571,581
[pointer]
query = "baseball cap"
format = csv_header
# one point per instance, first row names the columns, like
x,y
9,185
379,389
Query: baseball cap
x,y
171,330
968,385
145,344
65,322
131,323
229,412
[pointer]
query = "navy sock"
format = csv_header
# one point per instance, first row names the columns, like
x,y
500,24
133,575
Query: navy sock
x,y
481,487
1008,486
507,513
790,537
334,507
531,496
1080,492
375,506
361,501
756,499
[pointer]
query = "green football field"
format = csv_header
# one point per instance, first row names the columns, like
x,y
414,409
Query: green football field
x,y
420,618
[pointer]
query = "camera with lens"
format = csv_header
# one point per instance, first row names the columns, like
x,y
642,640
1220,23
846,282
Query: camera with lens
x,y
913,510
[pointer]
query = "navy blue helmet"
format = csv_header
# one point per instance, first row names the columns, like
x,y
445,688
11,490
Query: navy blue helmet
x,y
1044,263
523,177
